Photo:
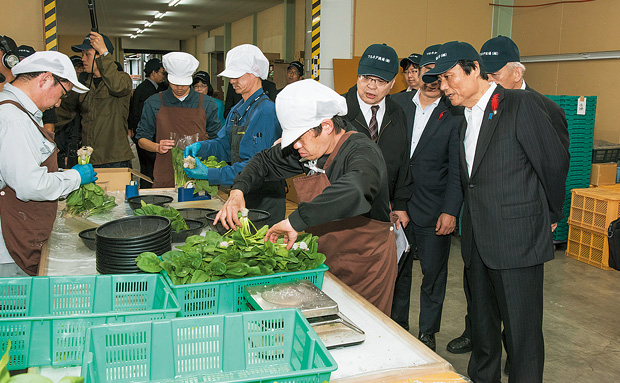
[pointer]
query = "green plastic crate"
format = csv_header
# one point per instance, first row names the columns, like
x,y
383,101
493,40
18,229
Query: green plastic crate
x,y
258,346
226,296
46,318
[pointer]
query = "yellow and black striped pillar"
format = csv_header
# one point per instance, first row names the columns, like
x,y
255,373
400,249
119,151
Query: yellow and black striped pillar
x,y
51,39
316,38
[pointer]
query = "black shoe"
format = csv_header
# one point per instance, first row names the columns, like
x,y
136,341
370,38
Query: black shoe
x,y
507,366
428,340
459,345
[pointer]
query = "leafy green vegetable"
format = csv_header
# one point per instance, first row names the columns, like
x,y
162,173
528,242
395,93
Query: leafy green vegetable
x,y
88,199
236,254
177,222
181,179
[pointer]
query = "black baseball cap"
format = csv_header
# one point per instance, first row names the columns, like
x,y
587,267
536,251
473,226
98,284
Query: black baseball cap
x,y
379,60
76,60
86,45
24,51
297,65
429,55
202,76
448,55
413,58
152,65
497,52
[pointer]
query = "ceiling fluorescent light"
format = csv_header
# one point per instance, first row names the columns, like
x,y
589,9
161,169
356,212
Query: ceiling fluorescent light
x,y
174,3
133,36
159,15
139,31
148,24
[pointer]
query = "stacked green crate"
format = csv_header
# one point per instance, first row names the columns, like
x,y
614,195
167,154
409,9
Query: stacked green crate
x,y
580,131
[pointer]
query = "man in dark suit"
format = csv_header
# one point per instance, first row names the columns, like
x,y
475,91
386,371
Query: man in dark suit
x,y
372,112
432,130
501,60
155,75
513,172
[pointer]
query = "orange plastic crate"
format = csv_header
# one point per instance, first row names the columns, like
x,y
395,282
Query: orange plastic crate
x,y
594,208
588,246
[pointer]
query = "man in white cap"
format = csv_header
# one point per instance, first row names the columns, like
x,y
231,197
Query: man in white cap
x,y
251,126
105,108
345,197
180,110
30,183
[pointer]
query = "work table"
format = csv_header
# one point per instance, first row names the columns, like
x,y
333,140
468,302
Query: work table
x,y
389,354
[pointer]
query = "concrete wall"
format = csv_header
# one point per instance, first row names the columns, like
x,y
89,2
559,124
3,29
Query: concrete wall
x,y
16,15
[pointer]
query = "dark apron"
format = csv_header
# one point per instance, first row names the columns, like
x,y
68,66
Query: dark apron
x,y
184,122
360,251
271,196
26,226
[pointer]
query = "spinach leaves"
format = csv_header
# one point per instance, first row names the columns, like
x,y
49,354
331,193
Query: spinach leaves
x,y
236,254
177,222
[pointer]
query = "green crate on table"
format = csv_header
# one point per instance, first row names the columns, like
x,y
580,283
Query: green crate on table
x,y
259,346
226,296
46,318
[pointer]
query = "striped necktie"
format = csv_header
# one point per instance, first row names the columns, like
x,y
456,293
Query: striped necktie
x,y
372,126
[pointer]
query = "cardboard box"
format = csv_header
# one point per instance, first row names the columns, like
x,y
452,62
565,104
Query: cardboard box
x,y
117,178
603,174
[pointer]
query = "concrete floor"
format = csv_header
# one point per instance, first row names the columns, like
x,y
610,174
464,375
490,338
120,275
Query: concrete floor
x,y
581,319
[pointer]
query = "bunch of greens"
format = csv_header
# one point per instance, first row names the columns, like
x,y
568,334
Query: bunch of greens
x,y
90,198
236,254
27,378
177,222
181,179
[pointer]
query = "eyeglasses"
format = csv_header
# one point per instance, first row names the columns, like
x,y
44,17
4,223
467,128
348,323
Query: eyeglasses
x,y
64,90
367,80
410,72
200,86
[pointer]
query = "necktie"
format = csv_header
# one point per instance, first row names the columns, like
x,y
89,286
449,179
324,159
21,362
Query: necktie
x,y
372,126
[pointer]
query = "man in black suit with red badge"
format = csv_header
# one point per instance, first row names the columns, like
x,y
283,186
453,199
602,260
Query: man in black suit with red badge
x,y
513,172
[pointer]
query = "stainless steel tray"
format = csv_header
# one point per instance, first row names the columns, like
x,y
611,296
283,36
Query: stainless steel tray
x,y
301,294
337,331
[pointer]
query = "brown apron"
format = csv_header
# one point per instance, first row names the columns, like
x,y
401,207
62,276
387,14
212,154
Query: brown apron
x,y
26,226
360,251
184,122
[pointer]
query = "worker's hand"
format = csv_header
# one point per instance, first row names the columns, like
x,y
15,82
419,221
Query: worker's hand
x,y
87,173
200,173
445,224
228,215
554,226
192,150
164,146
402,218
282,227
96,41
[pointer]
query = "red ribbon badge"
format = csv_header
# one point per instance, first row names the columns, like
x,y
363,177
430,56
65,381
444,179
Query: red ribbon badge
x,y
495,103
440,115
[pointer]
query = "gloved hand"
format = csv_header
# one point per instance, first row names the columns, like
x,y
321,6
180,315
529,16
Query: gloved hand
x,y
200,173
87,173
192,150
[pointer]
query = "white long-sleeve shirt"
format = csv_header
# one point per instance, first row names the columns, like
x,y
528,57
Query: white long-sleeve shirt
x,y
22,150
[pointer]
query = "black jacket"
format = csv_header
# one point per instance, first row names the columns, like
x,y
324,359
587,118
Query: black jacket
x,y
393,143
557,115
516,184
140,94
434,166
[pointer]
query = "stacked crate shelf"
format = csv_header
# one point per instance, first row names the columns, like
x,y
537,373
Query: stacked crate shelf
x,y
591,212
580,131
